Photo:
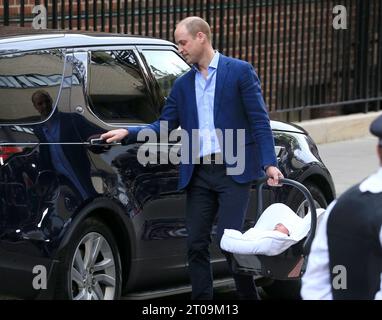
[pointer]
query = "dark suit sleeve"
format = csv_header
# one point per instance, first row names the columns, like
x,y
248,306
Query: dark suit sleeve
x,y
169,118
85,128
256,111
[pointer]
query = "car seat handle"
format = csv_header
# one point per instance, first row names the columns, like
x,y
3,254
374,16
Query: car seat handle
x,y
313,213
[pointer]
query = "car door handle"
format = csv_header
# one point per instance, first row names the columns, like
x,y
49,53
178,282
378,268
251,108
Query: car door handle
x,y
99,141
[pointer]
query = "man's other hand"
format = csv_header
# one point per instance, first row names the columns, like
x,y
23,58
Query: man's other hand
x,y
115,135
274,175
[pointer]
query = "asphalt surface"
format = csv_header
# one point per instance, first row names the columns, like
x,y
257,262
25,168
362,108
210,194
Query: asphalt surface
x,y
350,161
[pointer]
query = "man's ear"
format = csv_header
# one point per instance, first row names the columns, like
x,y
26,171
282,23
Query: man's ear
x,y
201,36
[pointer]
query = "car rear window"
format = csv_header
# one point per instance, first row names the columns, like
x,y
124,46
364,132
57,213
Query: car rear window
x,y
27,82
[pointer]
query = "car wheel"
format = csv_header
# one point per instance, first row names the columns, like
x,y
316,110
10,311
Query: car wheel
x,y
91,265
290,289
300,205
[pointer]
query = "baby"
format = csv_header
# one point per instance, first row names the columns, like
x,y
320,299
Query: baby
x,y
281,228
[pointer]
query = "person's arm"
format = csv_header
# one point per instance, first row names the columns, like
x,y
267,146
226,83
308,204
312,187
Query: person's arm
x,y
316,282
259,121
129,134
378,295
86,128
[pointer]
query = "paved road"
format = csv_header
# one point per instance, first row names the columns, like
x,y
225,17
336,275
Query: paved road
x,y
350,161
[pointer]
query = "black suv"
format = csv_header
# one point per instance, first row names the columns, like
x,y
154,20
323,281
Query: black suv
x,y
81,220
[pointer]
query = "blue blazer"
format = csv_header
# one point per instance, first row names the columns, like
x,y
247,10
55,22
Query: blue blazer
x,y
238,104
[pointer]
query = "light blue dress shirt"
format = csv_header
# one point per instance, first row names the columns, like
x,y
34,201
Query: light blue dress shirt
x,y
205,97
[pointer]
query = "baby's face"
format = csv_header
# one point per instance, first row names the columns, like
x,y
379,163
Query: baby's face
x,y
281,228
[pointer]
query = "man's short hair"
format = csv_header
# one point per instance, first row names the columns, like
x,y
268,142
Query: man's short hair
x,y
195,25
42,93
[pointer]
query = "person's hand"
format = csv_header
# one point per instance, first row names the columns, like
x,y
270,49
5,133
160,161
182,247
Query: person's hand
x,y
281,228
115,135
274,174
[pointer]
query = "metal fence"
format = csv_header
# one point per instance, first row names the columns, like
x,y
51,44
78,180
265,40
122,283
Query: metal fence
x,y
308,68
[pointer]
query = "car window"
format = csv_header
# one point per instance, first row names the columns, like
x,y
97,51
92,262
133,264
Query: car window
x,y
117,90
166,67
29,85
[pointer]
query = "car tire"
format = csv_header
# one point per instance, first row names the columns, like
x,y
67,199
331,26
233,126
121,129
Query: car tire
x,y
290,289
299,202
90,267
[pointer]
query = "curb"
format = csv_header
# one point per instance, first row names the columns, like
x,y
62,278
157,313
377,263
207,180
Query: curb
x,y
339,128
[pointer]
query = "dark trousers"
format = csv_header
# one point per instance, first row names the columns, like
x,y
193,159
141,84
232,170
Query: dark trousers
x,y
212,193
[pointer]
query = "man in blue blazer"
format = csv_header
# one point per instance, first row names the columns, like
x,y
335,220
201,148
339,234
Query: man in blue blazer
x,y
219,94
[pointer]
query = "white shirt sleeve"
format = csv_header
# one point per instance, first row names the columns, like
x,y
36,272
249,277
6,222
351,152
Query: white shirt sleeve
x,y
378,295
316,280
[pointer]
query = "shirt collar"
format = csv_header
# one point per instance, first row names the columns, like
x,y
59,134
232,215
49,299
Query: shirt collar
x,y
215,60
213,64
373,183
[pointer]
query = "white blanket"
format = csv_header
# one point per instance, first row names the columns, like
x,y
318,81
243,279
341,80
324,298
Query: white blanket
x,y
262,239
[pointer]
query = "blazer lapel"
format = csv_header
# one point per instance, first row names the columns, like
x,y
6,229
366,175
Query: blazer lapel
x,y
221,75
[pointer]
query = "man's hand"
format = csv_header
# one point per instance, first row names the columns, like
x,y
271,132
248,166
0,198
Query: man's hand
x,y
115,135
274,175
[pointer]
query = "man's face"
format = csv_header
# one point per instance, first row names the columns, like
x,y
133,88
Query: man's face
x,y
190,48
43,105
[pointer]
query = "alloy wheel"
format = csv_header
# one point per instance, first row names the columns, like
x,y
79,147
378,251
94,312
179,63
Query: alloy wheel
x,y
93,270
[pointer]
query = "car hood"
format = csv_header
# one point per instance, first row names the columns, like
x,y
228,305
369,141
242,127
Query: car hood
x,y
284,126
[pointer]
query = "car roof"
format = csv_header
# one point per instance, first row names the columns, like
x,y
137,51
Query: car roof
x,y
25,39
